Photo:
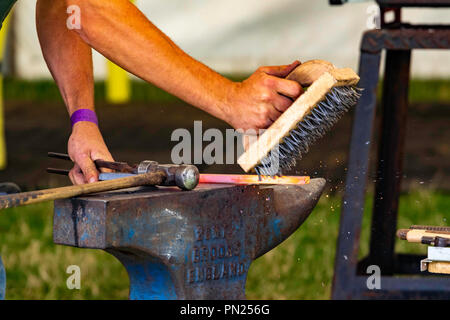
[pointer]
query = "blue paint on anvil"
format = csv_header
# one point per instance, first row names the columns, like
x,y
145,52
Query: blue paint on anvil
x,y
130,233
58,212
84,236
150,281
2,280
276,227
276,231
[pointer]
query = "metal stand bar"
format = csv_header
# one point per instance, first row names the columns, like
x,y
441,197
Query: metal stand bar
x,y
350,278
389,174
353,202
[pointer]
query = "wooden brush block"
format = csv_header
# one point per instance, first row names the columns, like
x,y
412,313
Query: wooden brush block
x,y
310,71
321,77
439,267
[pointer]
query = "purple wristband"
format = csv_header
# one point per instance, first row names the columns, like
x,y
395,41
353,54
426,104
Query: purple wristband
x,y
83,115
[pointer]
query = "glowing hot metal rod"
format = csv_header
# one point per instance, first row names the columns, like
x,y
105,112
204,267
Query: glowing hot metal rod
x,y
252,179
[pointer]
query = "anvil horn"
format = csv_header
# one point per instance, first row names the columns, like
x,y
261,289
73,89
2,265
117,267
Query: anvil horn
x,y
293,204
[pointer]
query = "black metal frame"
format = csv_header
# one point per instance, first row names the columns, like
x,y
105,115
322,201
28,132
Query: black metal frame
x,y
350,279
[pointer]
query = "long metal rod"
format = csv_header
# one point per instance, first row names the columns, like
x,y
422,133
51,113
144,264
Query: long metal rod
x,y
252,179
219,178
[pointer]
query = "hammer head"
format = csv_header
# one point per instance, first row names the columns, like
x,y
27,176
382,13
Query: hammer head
x,y
185,177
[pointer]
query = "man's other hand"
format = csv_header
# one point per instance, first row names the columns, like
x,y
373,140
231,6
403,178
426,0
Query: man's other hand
x,y
86,145
258,101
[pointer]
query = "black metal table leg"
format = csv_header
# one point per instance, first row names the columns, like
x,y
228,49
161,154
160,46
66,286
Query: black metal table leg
x,y
390,159
353,203
350,280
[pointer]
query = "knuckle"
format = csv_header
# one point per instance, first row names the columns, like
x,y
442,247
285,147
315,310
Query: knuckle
x,y
265,95
268,81
263,69
262,122
263,113
78,158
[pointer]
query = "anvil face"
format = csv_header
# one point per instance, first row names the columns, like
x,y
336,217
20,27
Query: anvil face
x,y
186,245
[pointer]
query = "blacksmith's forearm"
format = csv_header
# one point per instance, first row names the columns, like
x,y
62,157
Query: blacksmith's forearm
x,y
118,30
68,57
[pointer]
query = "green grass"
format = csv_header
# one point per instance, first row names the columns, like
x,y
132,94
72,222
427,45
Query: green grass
x,y
427,90
300,268
47,91
421,90
36,268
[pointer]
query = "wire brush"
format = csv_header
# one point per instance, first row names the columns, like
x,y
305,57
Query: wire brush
x,y
330,93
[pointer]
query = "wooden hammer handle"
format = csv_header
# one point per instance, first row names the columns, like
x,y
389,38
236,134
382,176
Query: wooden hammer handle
x,y
25,198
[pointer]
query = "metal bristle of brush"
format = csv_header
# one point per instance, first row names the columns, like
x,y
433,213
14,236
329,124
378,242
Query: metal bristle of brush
x,y
331,93
313,127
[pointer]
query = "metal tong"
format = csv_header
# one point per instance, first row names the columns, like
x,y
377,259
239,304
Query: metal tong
x,y
122,167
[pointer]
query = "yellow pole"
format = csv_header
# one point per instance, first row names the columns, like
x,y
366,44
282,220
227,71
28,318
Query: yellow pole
x,y
3,36
118,85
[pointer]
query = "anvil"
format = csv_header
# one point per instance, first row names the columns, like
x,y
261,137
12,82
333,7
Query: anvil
x,y
186,245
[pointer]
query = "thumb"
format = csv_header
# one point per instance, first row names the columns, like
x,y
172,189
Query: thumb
x,y
281,71
88,168
105,155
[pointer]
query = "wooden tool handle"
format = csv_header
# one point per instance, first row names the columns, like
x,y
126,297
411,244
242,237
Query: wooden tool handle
x,y
440,267
308,72
416,235
25,198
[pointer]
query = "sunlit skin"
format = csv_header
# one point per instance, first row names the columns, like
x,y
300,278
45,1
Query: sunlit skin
x,y
119,31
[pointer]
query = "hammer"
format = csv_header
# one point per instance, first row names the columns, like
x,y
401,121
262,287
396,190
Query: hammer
x,y
185,177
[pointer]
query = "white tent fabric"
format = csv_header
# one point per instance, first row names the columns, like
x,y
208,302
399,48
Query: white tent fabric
x,y
238,36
